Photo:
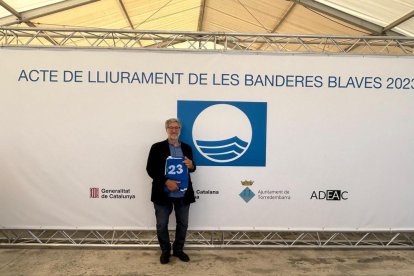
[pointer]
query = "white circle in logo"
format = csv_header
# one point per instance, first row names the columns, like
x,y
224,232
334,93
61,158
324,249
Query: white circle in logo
x,y
222,133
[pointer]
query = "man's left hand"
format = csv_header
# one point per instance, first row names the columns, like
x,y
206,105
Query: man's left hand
x,y
188,163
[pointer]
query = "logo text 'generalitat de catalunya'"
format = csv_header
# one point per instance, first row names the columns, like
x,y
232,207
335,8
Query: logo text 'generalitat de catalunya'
x,y
225,133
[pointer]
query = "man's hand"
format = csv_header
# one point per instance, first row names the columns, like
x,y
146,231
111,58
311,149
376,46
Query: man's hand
x,y
188,163
172,185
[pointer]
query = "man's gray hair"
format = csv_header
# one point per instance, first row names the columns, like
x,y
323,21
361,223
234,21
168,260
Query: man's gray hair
x,y
172,120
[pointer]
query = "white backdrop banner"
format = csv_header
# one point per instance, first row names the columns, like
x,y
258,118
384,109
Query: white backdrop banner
x,y
282,142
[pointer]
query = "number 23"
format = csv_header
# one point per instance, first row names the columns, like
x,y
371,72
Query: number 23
x,y
178,169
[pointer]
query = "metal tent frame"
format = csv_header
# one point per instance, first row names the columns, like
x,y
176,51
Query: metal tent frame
x,y
202,41
211,239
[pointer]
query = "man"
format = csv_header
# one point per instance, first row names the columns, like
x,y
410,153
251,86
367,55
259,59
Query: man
x,y
169,164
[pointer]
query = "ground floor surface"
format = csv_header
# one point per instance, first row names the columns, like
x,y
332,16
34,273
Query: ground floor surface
x,y
116,261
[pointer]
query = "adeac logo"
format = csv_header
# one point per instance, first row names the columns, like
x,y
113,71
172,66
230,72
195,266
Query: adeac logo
x,y
225,133
330,195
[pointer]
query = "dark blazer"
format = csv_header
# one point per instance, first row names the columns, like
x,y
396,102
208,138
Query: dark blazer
x,y
156,170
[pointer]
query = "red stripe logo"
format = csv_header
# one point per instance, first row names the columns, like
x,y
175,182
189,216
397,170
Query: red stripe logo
x,y
94,192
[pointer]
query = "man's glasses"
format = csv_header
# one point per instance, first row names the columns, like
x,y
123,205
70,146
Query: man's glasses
x,y
173,128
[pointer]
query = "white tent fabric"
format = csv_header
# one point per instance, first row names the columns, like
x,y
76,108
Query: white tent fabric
x,y
325,17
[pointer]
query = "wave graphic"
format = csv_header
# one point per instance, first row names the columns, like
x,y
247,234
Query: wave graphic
x,y
223,150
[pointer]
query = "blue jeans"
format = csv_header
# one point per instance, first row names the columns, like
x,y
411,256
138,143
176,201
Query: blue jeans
x,y
162,215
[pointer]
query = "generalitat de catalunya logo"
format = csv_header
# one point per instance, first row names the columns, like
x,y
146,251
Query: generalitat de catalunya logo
x,y
225,133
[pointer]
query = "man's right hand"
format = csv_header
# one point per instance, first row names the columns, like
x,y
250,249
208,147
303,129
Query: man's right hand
x,y
172,185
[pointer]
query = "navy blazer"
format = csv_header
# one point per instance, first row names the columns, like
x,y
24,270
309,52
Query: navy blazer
x,y
156,170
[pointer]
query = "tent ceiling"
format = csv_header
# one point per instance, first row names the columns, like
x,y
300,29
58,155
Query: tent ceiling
x,y
325,17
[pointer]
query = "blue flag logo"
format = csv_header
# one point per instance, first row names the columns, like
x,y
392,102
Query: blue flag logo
x,y
225,133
